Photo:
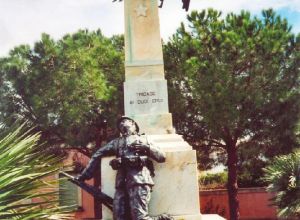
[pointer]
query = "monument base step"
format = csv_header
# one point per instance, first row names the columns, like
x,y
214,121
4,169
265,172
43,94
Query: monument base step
x,y
193,217
188,217
199,217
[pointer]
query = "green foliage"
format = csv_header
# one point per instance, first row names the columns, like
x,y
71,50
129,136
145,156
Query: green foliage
x,y
213,180
250,166
70,89
283,177
24,168
234,84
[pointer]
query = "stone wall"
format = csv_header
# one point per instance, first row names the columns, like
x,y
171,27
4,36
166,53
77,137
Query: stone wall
x,y
254,203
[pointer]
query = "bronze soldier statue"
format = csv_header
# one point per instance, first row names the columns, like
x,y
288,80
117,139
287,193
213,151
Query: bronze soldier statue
x,y
134,171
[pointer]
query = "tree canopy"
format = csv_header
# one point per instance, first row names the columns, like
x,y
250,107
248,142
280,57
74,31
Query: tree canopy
x,y
234,86
70,88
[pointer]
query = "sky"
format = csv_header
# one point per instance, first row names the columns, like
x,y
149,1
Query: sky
x,y
23,21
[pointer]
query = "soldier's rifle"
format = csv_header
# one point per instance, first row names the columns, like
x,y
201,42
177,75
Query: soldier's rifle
x,y
95,192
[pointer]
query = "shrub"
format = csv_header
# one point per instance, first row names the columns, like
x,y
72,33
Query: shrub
x,y
283,177
213,180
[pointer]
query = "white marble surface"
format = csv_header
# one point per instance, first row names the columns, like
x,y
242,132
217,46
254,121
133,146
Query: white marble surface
x,y
176,191
170,142
142,34
154,123
108,177
145,97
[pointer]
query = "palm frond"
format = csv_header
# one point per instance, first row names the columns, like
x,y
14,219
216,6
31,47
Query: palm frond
x,y
27,190
283,176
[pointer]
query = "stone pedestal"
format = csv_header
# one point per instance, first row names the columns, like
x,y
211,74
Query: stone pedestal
x,y
176,186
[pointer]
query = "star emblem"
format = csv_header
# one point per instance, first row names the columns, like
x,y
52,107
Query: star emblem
x,y
141,10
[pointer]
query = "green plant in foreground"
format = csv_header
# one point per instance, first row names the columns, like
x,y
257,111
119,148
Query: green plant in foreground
x,y
283,176
26,191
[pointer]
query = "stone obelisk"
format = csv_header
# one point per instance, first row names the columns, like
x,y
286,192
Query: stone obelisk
x,y
145,88
176,189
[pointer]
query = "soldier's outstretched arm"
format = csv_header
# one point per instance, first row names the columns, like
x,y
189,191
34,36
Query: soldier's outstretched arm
x,y
106,150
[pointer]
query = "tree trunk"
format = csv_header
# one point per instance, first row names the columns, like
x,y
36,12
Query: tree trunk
x,y
97,180
232,182
97,183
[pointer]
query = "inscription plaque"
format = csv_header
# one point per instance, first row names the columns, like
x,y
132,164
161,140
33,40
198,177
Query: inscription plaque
x,y
146,97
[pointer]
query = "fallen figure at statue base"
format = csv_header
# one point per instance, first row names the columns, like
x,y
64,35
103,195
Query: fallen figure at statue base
x,y
134,154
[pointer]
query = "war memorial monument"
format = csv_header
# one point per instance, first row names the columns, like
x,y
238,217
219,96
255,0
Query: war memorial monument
x,y
174,189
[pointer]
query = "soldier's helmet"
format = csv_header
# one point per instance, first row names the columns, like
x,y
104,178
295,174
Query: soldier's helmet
x,y
119,123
